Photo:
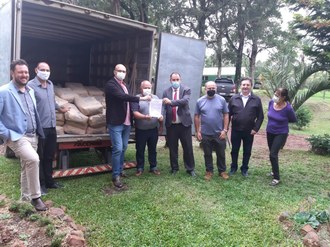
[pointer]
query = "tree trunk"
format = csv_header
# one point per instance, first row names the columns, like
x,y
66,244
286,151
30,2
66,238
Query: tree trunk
x,y
252,59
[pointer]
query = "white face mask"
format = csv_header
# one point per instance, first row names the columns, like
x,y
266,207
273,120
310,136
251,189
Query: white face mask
x,y
121,75
43,75
146,91
276,99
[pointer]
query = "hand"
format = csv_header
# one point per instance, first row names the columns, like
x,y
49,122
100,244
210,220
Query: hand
x,y
199,136
223,135
145,98
166,101
147,117
64,109
161,118
253,132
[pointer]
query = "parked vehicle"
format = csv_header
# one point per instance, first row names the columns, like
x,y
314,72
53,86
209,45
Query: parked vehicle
x,y
83,45
226,87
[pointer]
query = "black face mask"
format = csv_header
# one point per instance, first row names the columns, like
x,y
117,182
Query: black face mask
x,y
211,93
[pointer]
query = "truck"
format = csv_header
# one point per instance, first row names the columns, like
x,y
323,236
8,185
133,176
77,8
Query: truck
x,y
225,87
84,45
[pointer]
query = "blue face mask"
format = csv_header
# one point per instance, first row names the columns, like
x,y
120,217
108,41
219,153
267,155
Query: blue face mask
x,y
175,84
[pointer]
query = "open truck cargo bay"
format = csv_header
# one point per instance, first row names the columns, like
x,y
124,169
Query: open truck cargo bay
x,y
84,45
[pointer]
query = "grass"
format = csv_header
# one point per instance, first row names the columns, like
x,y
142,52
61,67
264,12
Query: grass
x,y
179,210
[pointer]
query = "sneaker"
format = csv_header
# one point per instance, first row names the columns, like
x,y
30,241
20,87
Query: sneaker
x,y
208,176
224,175
245,173
232,172
274,182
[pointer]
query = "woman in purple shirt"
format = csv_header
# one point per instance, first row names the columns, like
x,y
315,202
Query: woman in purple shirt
x,y
280,114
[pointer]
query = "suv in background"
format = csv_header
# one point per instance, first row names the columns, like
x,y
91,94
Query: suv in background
x,y
226,87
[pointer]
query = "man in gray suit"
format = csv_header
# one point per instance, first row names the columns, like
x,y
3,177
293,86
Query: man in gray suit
x,y
178,123
20,127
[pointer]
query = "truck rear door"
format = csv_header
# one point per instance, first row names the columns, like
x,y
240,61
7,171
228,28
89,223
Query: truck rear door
x,y
184,55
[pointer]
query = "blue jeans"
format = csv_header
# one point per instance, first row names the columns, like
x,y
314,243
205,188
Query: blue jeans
x,y
119,136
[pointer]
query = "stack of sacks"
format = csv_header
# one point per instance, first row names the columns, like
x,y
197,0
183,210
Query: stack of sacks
x,y
78,88
86,114
92,108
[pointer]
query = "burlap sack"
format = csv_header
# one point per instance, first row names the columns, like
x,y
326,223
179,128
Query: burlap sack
x,y
60,116
59,123
60,101
101,99
73,128
65,93
74,115
94,91
77,88
97,121
88,105
59,130
100,130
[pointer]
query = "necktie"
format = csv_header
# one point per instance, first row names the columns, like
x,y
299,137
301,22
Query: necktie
x,y
174,107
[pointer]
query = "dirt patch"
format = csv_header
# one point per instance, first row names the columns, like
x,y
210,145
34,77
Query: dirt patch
x,y
23,232
109,191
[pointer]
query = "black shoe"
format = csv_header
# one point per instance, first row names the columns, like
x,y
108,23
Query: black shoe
x,y
38,204
43,190
232,172
117,183
173,172
55,186
192,173
245,173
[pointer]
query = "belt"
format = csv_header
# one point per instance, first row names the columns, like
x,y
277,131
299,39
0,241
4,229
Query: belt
x,y
30,134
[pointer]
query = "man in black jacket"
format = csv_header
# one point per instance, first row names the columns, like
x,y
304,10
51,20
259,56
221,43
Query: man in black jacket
x,y
246,115
118,116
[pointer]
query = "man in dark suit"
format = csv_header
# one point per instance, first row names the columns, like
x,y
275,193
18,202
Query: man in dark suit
x,y
118,117
178,123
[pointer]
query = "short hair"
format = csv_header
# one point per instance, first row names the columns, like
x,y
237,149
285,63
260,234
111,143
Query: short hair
x,y
246,79
175,73
17,62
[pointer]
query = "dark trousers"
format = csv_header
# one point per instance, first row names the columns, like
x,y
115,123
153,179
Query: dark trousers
x,y
275,143
149,138
175,133
236,138
46,152
211,143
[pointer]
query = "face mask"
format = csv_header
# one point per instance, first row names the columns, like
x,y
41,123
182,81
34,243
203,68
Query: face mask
x,y
211,93
146,92
276,99
121,75
43,75
175,84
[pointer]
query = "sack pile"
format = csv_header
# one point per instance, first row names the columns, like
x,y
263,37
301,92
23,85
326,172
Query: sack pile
x,y
87,110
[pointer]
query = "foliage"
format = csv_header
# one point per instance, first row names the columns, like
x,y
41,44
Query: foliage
x,y
44,221
320,144
23,209
57,240
304,117
34,217
313,218
314,27
50,230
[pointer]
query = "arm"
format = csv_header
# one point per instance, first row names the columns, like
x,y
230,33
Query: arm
x,y
292,115
116,92
259,118
197,122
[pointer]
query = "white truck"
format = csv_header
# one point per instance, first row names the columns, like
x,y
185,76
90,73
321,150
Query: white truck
x,y
84,45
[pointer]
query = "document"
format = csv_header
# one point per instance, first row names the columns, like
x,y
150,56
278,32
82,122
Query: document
x,y
155,107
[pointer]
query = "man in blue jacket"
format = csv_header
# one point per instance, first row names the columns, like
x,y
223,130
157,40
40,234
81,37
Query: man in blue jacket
x,y
19,129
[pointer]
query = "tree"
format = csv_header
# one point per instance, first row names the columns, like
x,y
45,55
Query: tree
x,y
314,28
285,69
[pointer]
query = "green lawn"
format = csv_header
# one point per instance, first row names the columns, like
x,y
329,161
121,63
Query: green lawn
x,y
183,211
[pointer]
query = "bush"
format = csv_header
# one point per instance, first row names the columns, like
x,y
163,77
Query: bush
x,y
313,218
304,117
320,144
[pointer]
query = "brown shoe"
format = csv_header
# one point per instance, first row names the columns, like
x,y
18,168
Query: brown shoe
x,y
224,175
117,183
156,172
138,173
208,176
38,204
